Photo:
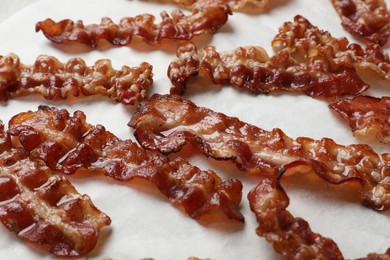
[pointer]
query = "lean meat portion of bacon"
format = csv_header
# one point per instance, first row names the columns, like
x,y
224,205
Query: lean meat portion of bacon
x,y
68,143
369,19
206,18
250,68
166,123
235,5
43,208
56,80
301,38
366,114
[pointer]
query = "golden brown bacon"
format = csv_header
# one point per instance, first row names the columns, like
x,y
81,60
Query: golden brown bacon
x,y
43,208
235,5
67,143
290,236
54,80
366,114
207,17
369,19
251,68
308,42
166,123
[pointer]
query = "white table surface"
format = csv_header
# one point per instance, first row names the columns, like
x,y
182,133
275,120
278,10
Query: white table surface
x,y
9,7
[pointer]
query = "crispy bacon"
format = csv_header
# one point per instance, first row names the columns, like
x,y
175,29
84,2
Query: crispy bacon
x,y
366,114
207,17
291,236
55,80
308,42
235,5
251,68
166,123
43,208
369,19
67,143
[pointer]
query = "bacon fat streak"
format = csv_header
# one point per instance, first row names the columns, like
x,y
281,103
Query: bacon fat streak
x,y
166,123
55,80
301,38
369,19
207,17
366,114
67,143
251,68
43,208
235,5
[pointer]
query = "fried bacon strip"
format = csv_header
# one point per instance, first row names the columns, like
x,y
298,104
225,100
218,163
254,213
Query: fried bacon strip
x,y
291,236
235,5
251,68
207,17
55,80
67,143
366,114
167,123
308,42
369,19
43,208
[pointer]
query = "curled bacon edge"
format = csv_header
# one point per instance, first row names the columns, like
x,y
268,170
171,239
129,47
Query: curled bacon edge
x,y
68,143
207,17
55,80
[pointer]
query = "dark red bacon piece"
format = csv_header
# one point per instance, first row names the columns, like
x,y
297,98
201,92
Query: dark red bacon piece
x,y
67,143
366,114
43,208
301,38
251,68
55,80
207,17
166,123
369,19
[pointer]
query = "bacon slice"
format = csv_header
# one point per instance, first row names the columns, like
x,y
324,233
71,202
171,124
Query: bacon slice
x,y
43,208
308,42
369,19
251,68
290,236
55,80
207,17
67,143
366,114
235,5
166,123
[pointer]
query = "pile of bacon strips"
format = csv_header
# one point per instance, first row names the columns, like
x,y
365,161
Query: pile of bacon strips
x,y
40,148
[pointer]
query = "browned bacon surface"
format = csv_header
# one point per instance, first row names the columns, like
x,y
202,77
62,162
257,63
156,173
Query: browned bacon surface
x,y
290,236
67,143
43,208
55,80
166,123
235,5
366,114
301,38
369,19
251,68
207,17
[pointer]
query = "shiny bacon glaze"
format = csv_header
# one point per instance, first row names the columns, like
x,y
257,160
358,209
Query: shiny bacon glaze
x,y
43,208
67,143
366,114
55,80
235,5
369,19
250,68
166,123
207,17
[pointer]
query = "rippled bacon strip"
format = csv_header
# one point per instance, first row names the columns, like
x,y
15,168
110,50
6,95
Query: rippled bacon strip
x,y
251,68
308,42
43,208
166,123
67,143
369,19
55,80
207,17
291,236
235,5
366,114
